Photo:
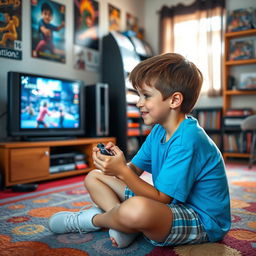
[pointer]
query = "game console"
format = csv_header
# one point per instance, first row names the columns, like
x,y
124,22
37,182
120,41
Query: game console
x,y
62,167
67,162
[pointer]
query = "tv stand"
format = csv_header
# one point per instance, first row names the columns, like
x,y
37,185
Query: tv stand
x,y
29,162
47,138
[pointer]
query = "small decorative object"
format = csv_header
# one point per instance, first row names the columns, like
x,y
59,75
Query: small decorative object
x,y
247,81
231,83
240,19
241,50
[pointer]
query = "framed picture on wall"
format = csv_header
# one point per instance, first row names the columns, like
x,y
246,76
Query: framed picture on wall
x,y
247,81
48,30
240,19
241,50
11,30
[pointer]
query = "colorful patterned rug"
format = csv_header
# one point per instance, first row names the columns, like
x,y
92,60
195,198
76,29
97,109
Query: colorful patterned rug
x,y
24,231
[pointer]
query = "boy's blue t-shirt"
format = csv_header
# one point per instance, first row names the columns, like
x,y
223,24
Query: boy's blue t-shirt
x,y
190,169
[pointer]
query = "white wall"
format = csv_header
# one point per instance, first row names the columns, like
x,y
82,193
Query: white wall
x,y
152,31
29,64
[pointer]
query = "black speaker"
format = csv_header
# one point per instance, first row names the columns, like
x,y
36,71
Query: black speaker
x,y
97,110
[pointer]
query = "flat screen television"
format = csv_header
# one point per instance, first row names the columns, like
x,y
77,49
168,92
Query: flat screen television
x,y
44,107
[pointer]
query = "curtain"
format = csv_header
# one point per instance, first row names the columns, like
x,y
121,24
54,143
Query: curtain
x,y
197,32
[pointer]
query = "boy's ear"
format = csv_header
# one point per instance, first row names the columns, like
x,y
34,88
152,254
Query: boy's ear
x,y
176,100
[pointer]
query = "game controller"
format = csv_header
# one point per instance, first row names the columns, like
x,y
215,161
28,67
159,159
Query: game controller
x,y
103,150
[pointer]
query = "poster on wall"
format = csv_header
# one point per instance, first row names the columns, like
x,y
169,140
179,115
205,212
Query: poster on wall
x,y
114,18
48,30
10,29
86,23
86,59
132,23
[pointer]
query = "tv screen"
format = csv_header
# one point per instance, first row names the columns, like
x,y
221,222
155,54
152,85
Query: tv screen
x,y
44,106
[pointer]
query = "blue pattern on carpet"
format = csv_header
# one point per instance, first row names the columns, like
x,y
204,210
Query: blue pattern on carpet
x,y
24,230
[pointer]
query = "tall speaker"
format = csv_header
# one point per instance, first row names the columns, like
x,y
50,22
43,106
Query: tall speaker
x,y
97,110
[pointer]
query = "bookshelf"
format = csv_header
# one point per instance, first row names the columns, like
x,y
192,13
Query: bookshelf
x,y
136,129
211,120
235,143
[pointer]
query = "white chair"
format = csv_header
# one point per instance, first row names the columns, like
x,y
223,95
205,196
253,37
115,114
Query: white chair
x,y
249,124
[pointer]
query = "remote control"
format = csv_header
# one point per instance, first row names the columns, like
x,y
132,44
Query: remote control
x,y
103,150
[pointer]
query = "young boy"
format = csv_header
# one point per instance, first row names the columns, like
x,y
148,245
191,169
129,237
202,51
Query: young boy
x,y
188,202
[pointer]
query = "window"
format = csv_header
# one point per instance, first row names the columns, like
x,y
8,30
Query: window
x,y
196,32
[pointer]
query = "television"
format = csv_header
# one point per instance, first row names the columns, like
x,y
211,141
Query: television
x,y
44,108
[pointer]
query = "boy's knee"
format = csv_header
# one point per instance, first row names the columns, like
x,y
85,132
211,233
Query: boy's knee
x,y
131,211
91,177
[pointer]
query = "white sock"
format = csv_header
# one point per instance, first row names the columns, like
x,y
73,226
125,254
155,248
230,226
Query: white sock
x,y
122,239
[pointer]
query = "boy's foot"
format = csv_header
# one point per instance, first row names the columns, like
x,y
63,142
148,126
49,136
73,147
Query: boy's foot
x,y
120,239
67,222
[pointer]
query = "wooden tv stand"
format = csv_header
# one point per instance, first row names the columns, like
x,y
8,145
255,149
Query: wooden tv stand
x,y
25,162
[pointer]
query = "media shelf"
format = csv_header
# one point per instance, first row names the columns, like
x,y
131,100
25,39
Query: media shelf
x,y
25,162
119,57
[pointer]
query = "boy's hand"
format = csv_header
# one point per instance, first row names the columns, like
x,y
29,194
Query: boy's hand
x,y
111,165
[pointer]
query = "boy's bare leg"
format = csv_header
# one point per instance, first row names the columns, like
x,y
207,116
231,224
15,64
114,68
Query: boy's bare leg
x,y
106,191
138,214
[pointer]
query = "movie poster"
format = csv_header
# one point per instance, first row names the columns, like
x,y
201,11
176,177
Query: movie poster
x,y
114,18
86,23
86,59
10,29
48,30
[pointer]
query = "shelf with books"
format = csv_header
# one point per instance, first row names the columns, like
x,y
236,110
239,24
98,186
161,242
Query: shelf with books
x,y
237,61
237,142
211,120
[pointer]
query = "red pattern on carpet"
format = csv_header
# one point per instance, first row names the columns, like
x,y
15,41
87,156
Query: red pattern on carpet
x,y
24,231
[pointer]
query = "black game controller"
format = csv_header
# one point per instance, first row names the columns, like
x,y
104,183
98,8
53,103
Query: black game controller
x,y
103,150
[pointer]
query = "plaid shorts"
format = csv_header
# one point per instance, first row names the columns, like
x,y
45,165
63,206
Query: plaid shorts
x,y
186,226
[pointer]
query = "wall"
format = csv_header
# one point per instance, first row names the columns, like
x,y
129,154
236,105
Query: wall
x,y
28,64
152,32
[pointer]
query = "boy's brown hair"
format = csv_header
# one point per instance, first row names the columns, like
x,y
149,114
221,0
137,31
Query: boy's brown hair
x,y
170,73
